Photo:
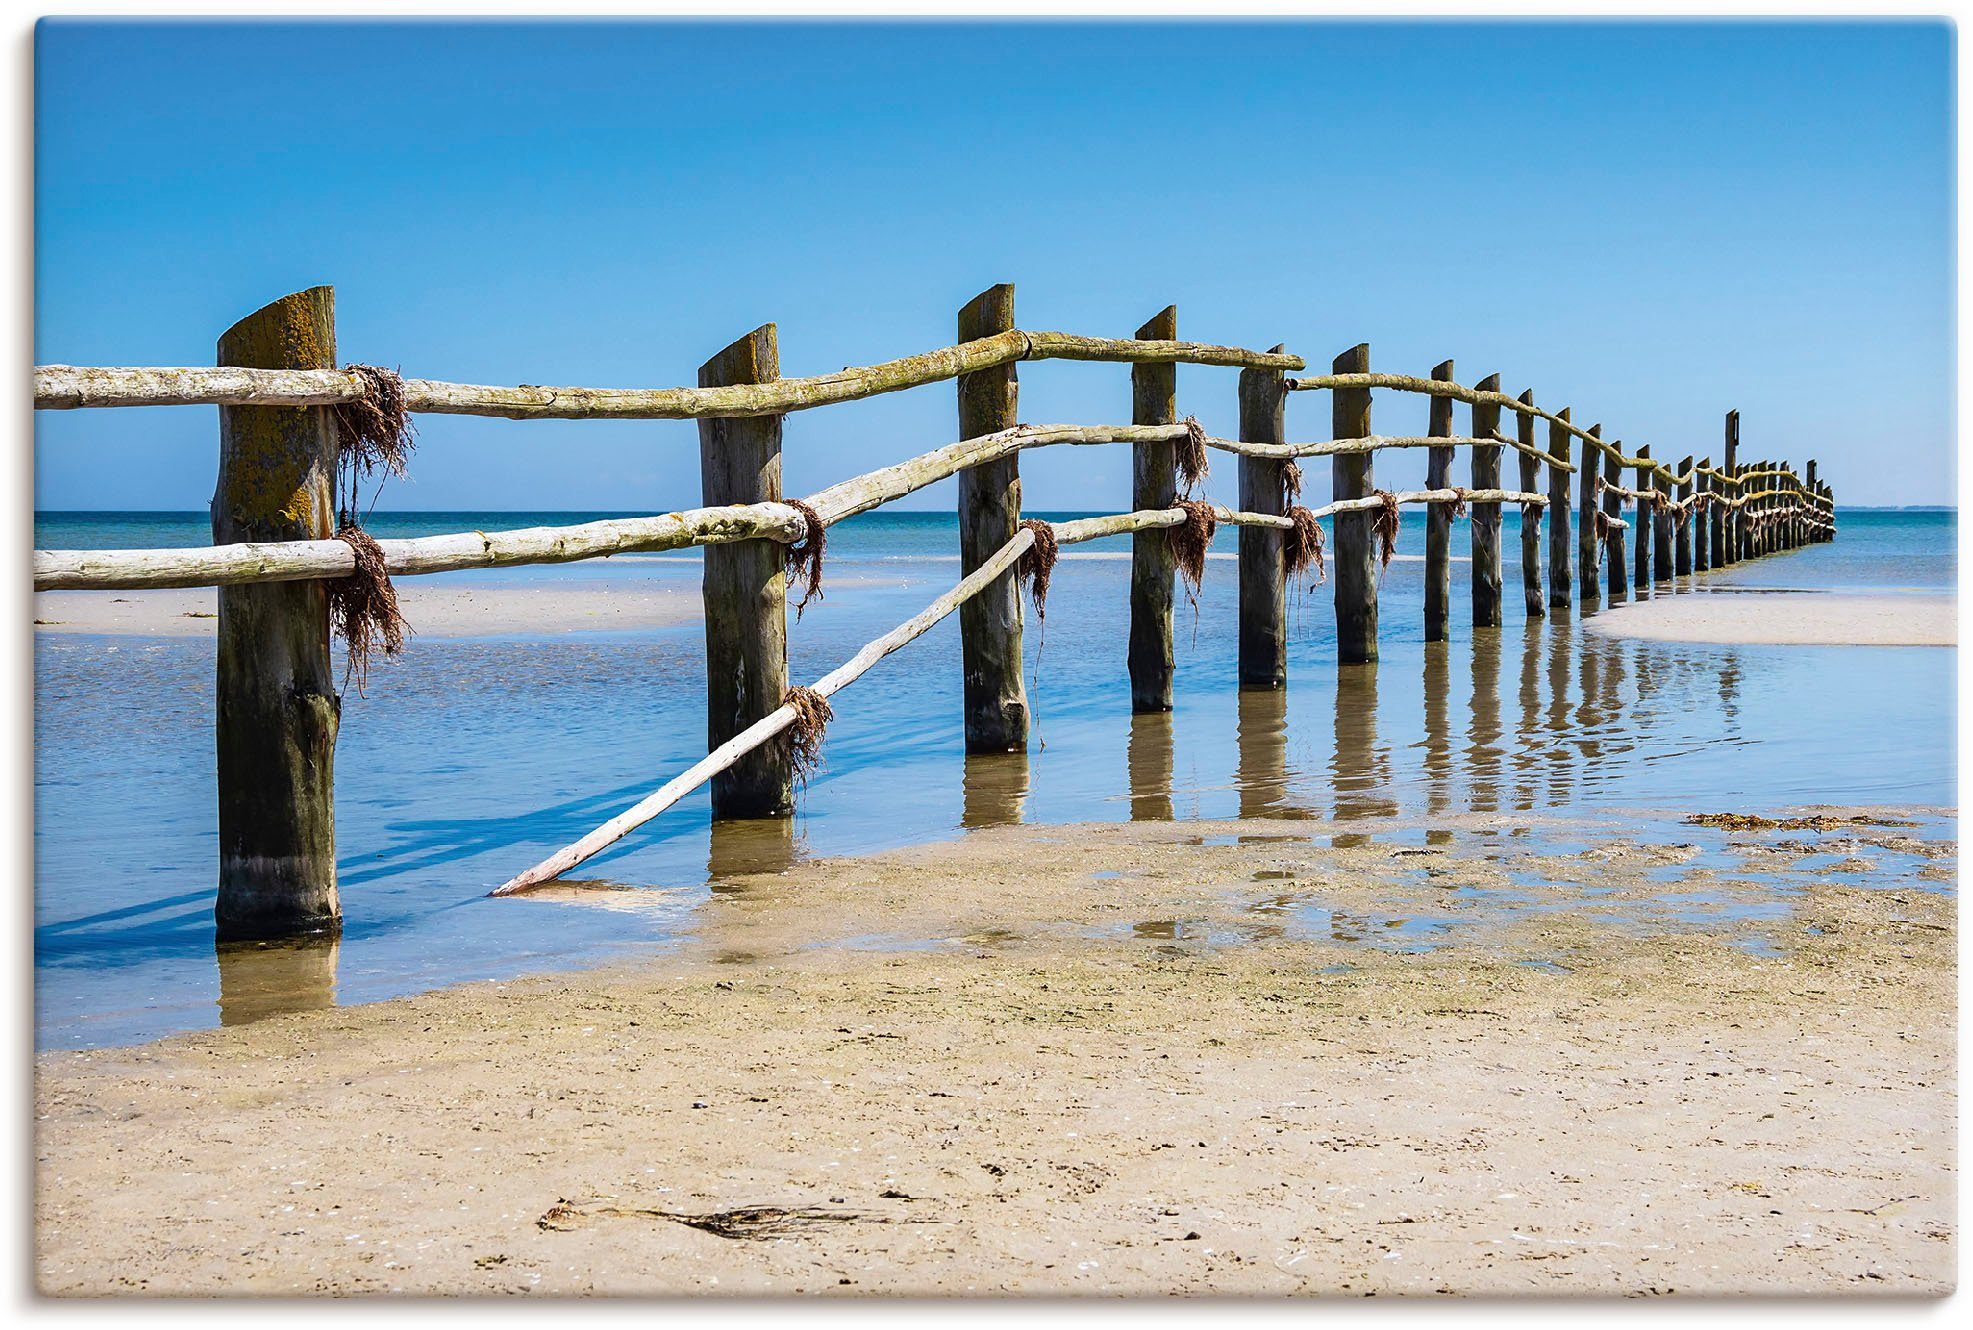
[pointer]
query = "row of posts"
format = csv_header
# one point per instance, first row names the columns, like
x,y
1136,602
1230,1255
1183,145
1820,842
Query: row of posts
x,y
278,709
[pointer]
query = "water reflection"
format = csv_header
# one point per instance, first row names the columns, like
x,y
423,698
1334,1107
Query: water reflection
x,y
1148,757
1263,776
743,846
262,979
996,789
1360,771
1483,751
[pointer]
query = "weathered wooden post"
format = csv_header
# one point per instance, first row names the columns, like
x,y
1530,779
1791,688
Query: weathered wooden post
x,y
1613,507
1438,517
1524,431
1682,524
1663,528
1263,578
1153,485
277,710
1559,573
1352,476
745,589
1812,531
1589,551
989,515
1641,529
1733,523
1485,517
1702,517
1757,532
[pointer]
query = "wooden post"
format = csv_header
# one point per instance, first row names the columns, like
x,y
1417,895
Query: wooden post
x,y
1613,507
989,514
1154,401
1664,529
1702,519
277,711
1641,528
1811,535
1263,579
1352,476
745,590
1559,575
1531,526
1485,517
1730,521
1589,552
1438,517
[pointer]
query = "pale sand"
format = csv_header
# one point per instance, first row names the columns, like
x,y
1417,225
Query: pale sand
x,y
1072,1087
1785,618
433,609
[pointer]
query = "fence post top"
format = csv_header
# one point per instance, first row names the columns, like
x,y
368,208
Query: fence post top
x,y
1490,384
290,309
754,358
1160,327
1442,370
1355,360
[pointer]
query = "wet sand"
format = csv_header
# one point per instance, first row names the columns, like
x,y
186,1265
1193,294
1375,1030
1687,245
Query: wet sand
x,y
1131,1058
434,609
1784,618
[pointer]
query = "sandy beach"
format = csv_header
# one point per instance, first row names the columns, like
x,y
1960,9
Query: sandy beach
x,y
1785,618
1129,1058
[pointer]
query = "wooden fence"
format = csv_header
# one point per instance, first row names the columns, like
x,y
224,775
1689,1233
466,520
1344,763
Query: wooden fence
x,y
276,555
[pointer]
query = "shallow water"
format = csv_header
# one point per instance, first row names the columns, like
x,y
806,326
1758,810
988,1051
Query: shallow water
x,y
471,759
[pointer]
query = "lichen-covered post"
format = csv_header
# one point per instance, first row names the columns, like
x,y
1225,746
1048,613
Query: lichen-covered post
x,y
277,710
1530,467
1663,528
989,515
1613,508
1263,578
1153,485
1485,517
1731,524
1352,476
1641,529
745,588
1559,573
1589,551
1438,516
1702,515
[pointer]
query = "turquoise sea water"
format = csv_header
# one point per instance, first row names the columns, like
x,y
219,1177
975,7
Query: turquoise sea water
x,y
473,758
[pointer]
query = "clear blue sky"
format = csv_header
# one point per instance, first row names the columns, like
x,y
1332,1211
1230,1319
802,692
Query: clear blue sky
x,y
1651,223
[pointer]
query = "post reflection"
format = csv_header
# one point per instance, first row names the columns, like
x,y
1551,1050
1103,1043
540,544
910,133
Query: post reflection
x,y
1148,760
1483,750
995,789
262,979
1360,771
1527,725
742,847
1263,776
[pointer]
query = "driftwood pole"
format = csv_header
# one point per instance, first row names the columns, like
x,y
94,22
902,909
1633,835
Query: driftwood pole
x,y
1263,578
1485,519
1559,573
277,710
989,514
1524,431
1733,523
1438,517
1664,529
1641,529
1153,486
745,589
1702,517
1613,507
1352,476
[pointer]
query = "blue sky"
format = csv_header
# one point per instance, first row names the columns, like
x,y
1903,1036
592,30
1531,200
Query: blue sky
x,y
1648,222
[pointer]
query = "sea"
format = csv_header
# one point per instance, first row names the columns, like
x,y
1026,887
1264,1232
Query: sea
x,y
470,759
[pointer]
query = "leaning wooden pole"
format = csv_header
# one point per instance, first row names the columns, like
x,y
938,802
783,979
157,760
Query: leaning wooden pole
x,y
745,588
1559,571
1438,517
758,736
996,699
1485,517
1352,476
277,710
1154,401
1263,577
1589,550
1524,431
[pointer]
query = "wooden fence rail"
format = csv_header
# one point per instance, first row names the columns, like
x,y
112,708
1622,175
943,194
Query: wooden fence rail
x,y
278,395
